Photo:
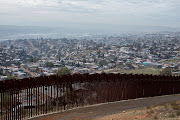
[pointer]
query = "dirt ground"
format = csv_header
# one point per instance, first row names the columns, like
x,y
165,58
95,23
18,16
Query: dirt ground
x,y
155,108
169,111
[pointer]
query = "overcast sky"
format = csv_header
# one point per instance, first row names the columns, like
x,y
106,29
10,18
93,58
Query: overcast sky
x,y
90,12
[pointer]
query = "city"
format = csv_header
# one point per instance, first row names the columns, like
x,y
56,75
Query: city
x,y
148,53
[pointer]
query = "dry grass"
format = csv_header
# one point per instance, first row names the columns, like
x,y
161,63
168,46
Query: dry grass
x,y
175,106
169,111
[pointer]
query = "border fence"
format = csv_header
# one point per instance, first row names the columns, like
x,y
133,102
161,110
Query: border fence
x,y
29,97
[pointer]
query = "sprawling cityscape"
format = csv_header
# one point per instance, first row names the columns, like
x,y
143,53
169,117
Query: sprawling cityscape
x,y
150,53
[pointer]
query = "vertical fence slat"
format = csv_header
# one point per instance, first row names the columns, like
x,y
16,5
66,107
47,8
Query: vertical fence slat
x,y
1,91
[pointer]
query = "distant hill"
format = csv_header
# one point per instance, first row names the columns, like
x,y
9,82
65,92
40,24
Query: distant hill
x,y
9,30
15,32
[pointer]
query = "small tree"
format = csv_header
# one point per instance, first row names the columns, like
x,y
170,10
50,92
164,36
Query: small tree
x,y
102,63
18,64
63,71
49,64
166,71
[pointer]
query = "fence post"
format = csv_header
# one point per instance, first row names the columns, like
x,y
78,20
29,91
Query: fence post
x,y
1,91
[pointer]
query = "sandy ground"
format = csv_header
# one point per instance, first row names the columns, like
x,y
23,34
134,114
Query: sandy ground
x,y
155,108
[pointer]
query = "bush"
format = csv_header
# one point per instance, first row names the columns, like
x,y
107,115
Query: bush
x,y
172,116
178,113
175,106
166,71
63,71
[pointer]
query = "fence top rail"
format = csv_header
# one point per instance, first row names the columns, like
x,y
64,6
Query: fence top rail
x,y
20,84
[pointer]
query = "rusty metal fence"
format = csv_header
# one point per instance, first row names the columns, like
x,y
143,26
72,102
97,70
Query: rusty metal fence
x,y
25,98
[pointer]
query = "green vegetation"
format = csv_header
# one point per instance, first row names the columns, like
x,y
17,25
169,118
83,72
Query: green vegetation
x,y
32,59
11,77
18,63
1,72
63,71
49,64
166,71
141,71
102,63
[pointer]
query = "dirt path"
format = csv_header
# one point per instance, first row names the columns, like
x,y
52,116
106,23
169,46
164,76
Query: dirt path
x,y
33,47
100,111
31,73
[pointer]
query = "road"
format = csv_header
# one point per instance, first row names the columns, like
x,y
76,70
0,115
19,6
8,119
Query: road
x,y
33,47
101,110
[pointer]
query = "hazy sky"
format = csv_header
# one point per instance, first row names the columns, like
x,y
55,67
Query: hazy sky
x,y
90,12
